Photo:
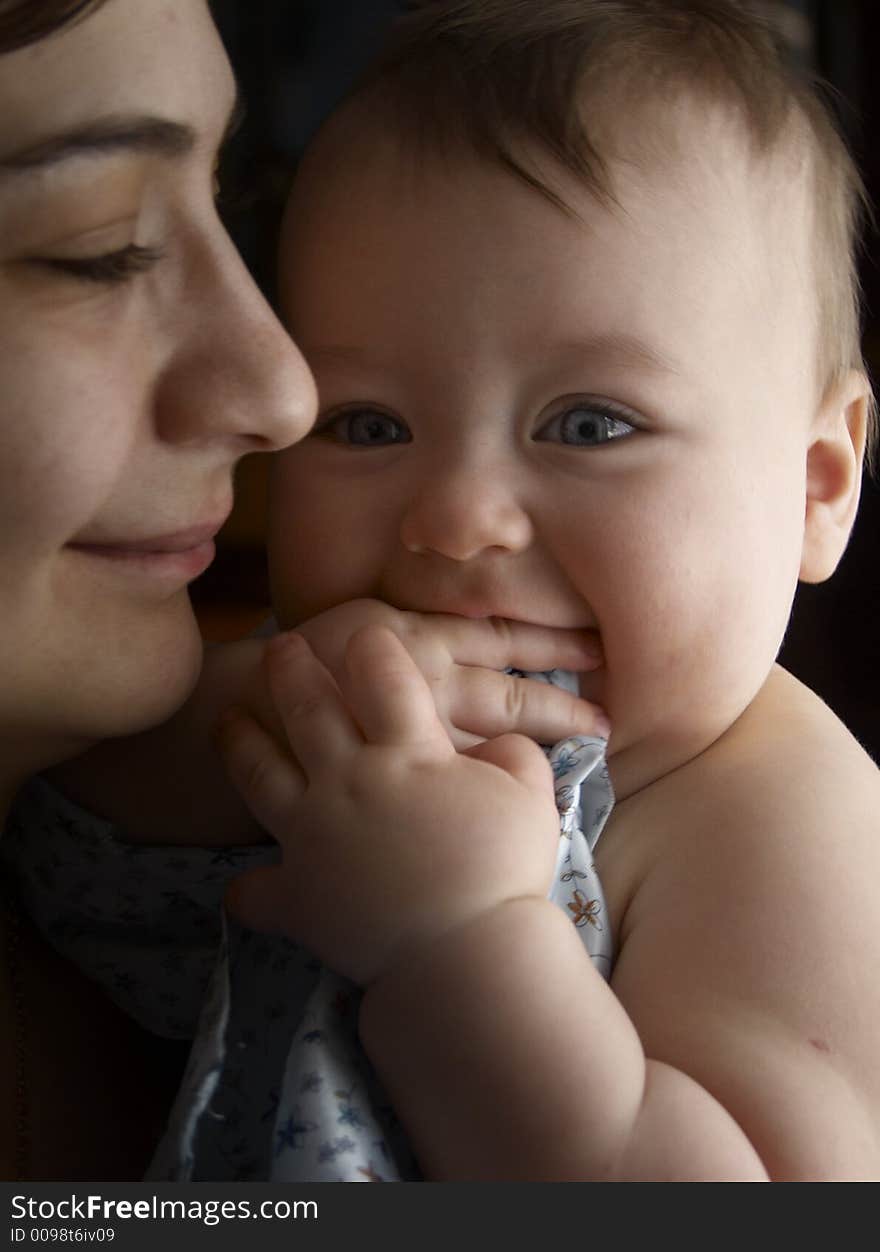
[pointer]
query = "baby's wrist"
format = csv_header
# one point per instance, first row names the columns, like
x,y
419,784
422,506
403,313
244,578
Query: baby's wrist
x,y
445,952
452,992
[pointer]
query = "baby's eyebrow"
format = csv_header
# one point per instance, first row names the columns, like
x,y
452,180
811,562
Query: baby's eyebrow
x,y
618,348
614,348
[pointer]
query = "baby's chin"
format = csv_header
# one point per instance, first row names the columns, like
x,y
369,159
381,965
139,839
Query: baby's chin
x,y
659,726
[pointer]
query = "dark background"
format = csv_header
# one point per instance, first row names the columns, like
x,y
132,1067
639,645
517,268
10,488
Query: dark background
x,y
295,58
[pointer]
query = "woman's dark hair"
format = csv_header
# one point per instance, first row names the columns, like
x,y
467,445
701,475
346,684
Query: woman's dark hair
x,y
26,21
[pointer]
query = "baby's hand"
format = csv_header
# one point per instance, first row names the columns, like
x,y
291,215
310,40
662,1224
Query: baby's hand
x,y
462,661
390,838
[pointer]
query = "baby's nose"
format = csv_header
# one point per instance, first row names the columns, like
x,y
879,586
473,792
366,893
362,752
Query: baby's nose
x,y
462,516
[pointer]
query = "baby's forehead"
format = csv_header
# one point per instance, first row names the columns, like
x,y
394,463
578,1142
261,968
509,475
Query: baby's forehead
x,y
700,154
688,152
693,221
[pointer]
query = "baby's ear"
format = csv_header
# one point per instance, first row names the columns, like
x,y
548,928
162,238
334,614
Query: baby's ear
x,y
834,475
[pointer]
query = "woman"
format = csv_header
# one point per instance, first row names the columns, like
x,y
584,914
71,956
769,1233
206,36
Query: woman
x,y
138,363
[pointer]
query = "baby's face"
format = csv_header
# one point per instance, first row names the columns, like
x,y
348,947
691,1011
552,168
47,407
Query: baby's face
x,y
583,423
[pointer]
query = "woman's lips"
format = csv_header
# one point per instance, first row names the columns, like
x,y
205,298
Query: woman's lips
x,y
178,557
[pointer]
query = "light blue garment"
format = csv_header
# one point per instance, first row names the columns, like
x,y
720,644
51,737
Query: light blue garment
x,y
277,1087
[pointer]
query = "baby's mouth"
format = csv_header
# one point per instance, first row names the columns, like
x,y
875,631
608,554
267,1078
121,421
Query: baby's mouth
x,y
479,606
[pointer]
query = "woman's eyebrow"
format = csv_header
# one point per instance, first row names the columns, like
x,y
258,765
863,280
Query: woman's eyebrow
x,y
140,133
113,134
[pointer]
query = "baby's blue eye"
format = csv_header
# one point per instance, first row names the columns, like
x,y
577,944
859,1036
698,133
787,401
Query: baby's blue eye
x,y
584,426
365,428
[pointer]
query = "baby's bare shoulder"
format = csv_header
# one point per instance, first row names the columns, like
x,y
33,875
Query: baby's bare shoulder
x,y
751,939
786,783
787,788
788,761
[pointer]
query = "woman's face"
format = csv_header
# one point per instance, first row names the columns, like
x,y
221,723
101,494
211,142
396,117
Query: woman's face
x,y
138,363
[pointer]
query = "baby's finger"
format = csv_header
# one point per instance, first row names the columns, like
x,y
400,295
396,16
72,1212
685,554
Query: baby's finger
x,y
388,694
317,724
519,757
267,779
498,643
487,703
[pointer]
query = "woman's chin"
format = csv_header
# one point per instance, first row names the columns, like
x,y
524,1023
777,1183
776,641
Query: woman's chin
x,y
151,694
138,685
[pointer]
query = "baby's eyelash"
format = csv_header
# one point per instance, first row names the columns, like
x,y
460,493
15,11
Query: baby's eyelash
x,y
588,423
111,267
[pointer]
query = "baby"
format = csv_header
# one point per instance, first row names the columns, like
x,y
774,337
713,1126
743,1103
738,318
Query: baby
x,y
576,283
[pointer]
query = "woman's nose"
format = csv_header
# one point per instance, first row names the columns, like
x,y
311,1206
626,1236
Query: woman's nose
x,y
462,515
233,374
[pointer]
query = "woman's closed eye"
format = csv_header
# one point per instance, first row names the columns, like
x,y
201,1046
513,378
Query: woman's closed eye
x,y
586,424
109,267
363,428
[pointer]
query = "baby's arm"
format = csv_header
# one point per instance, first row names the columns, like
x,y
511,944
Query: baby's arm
x,y
732,1045
741,1037
544,1076
167,785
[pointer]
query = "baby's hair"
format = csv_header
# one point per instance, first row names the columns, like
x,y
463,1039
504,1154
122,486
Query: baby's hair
x,y
508,78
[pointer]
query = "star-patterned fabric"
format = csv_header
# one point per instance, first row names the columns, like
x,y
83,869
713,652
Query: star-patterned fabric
x,y
277,1087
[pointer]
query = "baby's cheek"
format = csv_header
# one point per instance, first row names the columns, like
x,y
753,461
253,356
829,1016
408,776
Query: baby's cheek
x,y
592,686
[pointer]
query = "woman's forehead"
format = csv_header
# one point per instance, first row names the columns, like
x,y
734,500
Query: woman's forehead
x,y
128,58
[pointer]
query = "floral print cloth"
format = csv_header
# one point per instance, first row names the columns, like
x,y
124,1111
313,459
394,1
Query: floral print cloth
x,y
277,1087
